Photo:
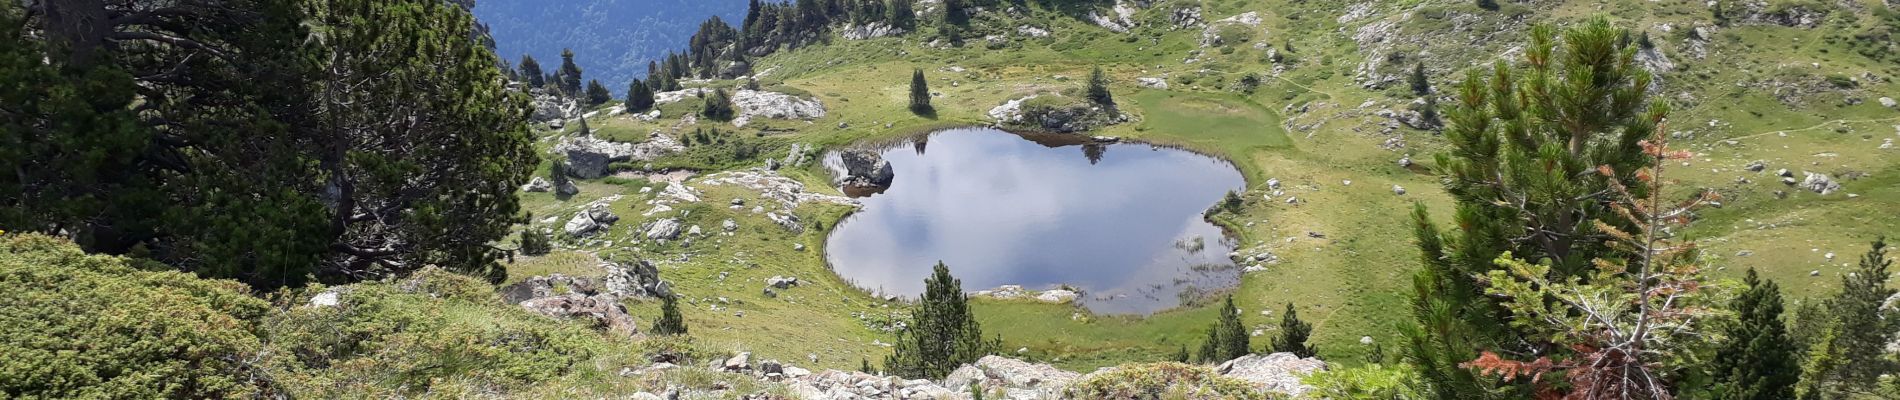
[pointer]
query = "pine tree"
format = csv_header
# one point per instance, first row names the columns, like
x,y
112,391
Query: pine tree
x,y
864,364
1852,359
1757,361
1293,335
597,93
1544,149
717,107
570,74
903,15
1181,356
535,242
1420,86
531,71
1210,348
919,92
670,322
1098,89
942,334
639,96
251,154
1233,335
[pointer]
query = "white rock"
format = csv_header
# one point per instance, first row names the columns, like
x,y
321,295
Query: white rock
x,y
1888,102
325,299
1278,372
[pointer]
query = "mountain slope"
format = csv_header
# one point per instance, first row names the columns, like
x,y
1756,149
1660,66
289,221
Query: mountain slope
x,y
612,39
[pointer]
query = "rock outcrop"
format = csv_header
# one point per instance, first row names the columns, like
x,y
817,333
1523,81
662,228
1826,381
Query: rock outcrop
x,y
1277,372
635,280
751,104
604,310
1017,378
865,168
588,156
870,31
1054,114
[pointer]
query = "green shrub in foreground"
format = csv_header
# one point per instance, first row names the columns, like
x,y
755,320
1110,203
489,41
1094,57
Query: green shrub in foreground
x,y
74,325
1166,380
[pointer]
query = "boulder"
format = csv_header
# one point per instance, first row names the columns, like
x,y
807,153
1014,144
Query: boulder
x,y
537,185
864,168
636,280
1156,83
590,221
1056,296
781,282
604,310
740,362
1278,372
1398,190
729,225
668,228
1889,102
1820,183
588,157
1756,166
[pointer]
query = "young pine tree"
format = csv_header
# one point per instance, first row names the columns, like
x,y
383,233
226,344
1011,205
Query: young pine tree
x,y
670,322
530,70
1098,89
534,242
942,335
1234,340
1181,356
639,97
1210,348
919,92
1293,335
1757,362
1851,359
570,74
1420,85
597,93
1534,131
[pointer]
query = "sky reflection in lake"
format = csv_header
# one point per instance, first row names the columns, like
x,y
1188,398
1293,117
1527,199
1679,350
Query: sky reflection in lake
x,y
999,209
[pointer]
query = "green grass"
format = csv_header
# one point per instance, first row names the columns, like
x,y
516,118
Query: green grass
x,y
1356,281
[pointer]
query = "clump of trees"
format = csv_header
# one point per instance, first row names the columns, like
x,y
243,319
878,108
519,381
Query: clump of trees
x,y
639,96
224,140
717,106
597,93
943,334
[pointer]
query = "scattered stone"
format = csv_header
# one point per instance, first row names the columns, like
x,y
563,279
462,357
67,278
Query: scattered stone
x,y
1784,172
1820,183
1398,190
740,362
781,282
1744,253
1814,273
1889,102
1756,166
1056,296
1405,162
1155,83
729,225
798,247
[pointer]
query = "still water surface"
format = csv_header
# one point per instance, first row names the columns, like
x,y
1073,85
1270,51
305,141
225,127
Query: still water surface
x,y
1120,221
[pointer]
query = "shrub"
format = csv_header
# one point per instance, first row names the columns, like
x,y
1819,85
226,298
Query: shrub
x,y
1165,380
435,332
85,326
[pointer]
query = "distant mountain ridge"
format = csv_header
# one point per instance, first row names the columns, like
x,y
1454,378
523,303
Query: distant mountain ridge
x,y
612,39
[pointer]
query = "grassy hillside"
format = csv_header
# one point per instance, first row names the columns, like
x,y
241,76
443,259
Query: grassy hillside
x,y
1801,97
